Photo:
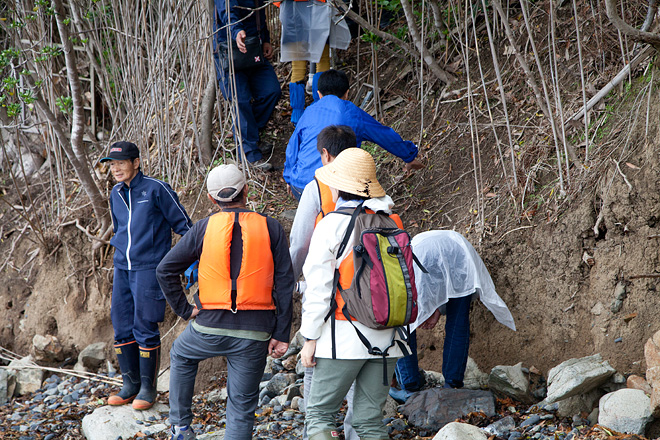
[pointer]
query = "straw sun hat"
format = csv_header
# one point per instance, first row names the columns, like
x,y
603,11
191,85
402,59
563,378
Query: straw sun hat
x,y
353,171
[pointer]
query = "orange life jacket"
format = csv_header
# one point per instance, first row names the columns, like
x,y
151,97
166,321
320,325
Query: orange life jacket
x,y
347,271
325,196
253,288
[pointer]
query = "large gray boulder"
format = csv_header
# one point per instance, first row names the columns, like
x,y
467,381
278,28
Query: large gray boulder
x,y
474,379
510,381
29,376
433,408
47,348
577,376
460,431
578,404
92,356
626,410
111,422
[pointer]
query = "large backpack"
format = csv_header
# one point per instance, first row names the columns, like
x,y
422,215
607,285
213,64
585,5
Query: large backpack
x,y
382,292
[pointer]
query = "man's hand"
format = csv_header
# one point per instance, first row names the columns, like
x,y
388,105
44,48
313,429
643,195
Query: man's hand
x,y
194,313
414,165
276,349
288,190
268,50
432,321
307,354
240,41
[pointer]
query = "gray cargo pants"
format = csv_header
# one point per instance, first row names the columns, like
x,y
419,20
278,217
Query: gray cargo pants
x,y
246,360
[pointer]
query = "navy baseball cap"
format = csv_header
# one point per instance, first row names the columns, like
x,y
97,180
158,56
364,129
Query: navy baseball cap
x,y
122,151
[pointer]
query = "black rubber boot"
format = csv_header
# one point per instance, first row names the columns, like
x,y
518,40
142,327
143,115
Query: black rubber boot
x,y
149,365
129,363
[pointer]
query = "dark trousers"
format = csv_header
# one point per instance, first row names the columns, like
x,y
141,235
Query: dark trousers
x,y
257,92
246,360
137,306
457,341
454,351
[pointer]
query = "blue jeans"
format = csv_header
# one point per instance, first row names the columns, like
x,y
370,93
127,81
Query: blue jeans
x,y
246,360
457,341
137,306
407,368
257,92
297,192
454,351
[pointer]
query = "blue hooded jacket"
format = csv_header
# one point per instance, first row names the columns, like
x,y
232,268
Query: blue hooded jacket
x,y
143,216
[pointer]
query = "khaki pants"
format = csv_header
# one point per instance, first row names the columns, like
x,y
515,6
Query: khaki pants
x,y
332,380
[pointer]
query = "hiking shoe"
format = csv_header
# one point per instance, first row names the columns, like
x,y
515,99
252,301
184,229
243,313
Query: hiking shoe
x,y
400,395
261,165
265,147
183,433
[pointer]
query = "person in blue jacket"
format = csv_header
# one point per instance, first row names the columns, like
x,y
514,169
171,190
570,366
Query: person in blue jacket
x,y
302,156
257,88
144,213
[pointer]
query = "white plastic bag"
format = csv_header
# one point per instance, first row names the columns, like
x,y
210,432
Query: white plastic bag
x,y
455,270
306,28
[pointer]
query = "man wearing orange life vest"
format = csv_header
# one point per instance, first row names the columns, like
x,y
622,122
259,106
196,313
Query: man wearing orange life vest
x,y
352,179
243,310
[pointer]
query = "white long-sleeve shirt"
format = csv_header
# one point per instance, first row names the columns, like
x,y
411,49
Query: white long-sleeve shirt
x,y
319,269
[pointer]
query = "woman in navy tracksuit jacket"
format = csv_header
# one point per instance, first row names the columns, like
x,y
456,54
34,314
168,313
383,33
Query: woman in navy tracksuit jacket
x,y
144,212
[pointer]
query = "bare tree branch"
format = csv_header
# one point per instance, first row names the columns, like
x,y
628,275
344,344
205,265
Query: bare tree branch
x,y
78,126
421,48
623,74
623,27
650,15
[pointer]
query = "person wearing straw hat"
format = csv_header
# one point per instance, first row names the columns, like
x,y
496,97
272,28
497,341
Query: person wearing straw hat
x,y
144,213
352,180
243,308
315,203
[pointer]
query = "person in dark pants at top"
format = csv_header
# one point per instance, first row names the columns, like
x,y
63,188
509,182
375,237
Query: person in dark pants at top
x,y
257,88
243,309
144,213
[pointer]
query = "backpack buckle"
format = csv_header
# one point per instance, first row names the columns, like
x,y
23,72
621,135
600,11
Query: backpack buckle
x,y
393,250
376,351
